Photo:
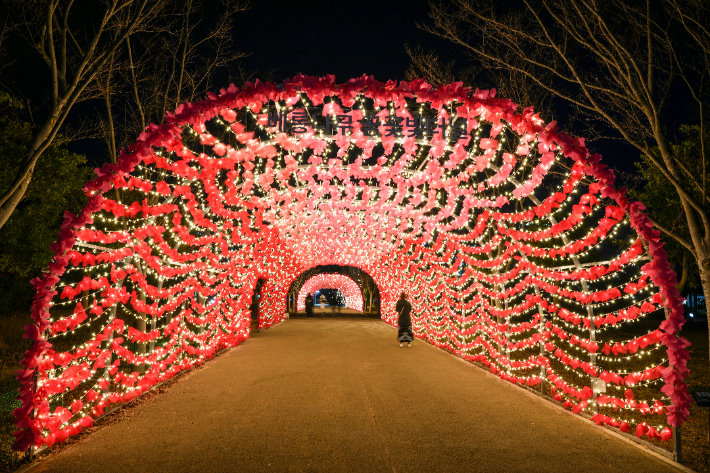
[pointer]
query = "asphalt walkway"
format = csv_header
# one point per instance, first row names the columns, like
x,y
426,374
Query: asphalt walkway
x,y
340,395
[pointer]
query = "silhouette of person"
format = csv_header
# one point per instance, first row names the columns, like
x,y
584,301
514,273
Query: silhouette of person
x,y
404,320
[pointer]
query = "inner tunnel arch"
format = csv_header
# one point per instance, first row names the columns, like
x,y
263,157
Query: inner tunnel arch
x,y
515,247
369,292
348,287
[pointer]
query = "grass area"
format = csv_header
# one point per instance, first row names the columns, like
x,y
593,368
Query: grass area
x,y
694,433
12,350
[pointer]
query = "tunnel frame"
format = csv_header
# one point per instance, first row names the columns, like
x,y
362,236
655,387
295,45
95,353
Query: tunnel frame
x,y
48,372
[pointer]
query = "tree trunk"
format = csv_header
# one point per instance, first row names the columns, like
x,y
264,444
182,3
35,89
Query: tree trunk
x,y
9,206
686,270
40,142
698,231
704,267
91,63
110,132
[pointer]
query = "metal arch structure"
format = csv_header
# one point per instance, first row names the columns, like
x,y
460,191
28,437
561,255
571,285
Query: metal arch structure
x,y
515,246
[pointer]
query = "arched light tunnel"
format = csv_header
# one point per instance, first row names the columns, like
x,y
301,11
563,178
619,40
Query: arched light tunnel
x,y
358,289
515,247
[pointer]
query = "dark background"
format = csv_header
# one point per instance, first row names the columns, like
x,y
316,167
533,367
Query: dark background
x,y
351,38
344,38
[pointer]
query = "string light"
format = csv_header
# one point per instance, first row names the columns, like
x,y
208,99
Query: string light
x,y
512,244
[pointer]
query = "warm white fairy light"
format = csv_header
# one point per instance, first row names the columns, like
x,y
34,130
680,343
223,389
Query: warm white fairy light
x,y
496,274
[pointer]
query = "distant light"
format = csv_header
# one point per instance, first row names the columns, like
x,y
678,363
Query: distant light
x,y
691,314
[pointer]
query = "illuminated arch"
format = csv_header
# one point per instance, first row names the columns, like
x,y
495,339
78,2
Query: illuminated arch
x,y
351,291
516,249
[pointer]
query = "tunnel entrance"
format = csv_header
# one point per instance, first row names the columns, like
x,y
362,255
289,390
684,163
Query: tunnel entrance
x,y
359,292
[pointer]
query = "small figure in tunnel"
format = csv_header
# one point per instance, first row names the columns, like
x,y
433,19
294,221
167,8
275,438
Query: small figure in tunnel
x,y
404,321
309,306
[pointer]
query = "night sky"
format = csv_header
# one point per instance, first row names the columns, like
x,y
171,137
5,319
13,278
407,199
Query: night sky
x,y
351,38
345,38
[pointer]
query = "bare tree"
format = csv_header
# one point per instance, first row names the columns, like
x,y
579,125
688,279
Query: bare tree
x,y
75,42
5,28
693,15
175,62
428,65
509,83
618,63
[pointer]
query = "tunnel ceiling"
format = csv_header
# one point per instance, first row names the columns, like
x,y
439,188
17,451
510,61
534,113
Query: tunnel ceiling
x,y
514,246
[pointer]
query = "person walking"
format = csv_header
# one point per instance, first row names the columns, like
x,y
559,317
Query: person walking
x,y
404,321
309,306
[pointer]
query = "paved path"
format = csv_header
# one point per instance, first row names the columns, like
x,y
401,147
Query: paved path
x,y
319,312
340,395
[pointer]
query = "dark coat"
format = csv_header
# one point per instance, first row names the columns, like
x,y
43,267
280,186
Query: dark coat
x,y
309,303
404,309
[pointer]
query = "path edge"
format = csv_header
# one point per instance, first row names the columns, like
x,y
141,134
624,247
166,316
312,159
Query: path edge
x,y
554,405
43,452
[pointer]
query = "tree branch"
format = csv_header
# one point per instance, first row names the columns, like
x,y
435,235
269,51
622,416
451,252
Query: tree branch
x,y
135,83
686,243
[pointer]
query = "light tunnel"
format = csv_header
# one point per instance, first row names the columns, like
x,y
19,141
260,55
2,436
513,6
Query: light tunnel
x,y
515,247
349,288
